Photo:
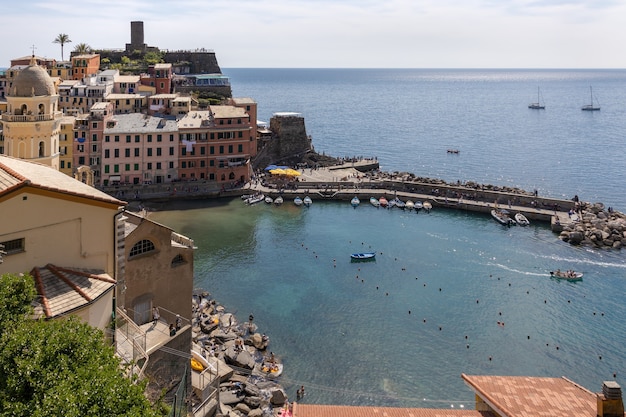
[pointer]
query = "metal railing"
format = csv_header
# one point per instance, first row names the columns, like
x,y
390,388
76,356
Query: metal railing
x,y
128,333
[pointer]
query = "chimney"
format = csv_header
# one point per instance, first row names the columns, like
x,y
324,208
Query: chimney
x,y
610,403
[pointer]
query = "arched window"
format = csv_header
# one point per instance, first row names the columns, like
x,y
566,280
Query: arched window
x,y
141,247
223,177
42,149
24,109
178,260
41,108
231,176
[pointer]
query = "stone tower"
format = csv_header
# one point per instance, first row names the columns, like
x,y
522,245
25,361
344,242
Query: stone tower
x,y
136,38
33,121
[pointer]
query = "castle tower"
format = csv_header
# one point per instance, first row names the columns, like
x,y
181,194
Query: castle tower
x,y
136,38
32,122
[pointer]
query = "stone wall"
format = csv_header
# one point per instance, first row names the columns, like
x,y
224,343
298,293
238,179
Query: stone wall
x,y
290,138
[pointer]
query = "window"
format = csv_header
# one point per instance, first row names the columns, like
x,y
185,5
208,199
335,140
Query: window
x,y
94,125
240,148
127,153
127,138
81,160
13,246
107,153
127,167
230,148
158,165
203,150
221,149
171,150
136,166
141,247
116,153
106,169
94,137
137,139
212,150
137,152
159,138
171,165
94,148
107,138
149,151
116,168
149,138
183,164
172,138
117,138
149,165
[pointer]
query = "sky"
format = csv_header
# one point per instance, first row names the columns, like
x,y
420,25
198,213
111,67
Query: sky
x,y
334,33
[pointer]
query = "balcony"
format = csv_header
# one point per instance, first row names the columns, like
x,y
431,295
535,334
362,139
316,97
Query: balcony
x,y
8,117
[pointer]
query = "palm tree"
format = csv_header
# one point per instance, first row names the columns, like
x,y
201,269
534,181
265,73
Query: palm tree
x,y
82,48
62,39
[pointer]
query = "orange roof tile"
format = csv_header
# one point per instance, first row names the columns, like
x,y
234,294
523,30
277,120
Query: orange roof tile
x,y
523,396
312,410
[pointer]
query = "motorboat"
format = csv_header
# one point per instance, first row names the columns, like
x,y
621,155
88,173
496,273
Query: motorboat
x,y
418,206
567,275
355,202
521,219
364,256
383,202
269,200
278,200
398,203
297,201
427,206
307,201
409,205
502,217
374,201
257,198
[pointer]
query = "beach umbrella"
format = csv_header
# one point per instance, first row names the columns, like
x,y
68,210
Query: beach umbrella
x,y
292,172
277,171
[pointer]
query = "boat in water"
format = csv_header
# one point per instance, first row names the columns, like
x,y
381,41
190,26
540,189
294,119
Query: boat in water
x,y
570,275
383,202
427,206
363,256
409,205
538,105
257,198
374,201
307,201
591,106
278,200
355,202
521,219
269,200
398,203
418,206
297,201
502,217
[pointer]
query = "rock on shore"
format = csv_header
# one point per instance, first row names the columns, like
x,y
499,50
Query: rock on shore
x,y
596,227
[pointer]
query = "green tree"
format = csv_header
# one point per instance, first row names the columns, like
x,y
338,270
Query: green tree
x,y
83,48
152,57
16,294
61,368
62,39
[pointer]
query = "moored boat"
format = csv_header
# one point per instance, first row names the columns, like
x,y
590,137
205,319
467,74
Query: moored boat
x,y
502,217
374,201
297,201
398,203
427,206
257,198
521,219
355,202
409,205
363,256
418,206
278,200
269,200
307,201
383,202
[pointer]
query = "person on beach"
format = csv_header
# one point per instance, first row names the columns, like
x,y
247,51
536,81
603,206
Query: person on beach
x,y
300,392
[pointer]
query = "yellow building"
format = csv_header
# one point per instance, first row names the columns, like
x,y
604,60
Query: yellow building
x,y
32,121
66,142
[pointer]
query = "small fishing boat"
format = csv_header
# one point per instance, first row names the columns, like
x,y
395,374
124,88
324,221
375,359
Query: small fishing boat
x,y
567,275
427,206
418,206
297,201
355,202
257,198
502,217
269,200
383,202
278,200
398,203
374,201
363,256
409,205
307,201
521,219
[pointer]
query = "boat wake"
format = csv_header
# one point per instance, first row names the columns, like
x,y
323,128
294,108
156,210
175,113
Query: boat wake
x,y
517,271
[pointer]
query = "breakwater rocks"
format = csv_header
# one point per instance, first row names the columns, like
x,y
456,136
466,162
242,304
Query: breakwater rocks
x,y
234,362
593,225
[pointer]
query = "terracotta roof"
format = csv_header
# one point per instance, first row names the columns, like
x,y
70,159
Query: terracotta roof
x,y
523,396
62,290
16,173
312,410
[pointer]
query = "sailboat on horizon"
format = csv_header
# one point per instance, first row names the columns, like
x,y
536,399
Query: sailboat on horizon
x,y
538,105
590,106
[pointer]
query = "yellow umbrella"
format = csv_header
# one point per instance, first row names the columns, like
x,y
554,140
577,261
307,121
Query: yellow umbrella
x,y
277,171
292,172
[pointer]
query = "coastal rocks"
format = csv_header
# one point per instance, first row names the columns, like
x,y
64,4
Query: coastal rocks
x,y
599,228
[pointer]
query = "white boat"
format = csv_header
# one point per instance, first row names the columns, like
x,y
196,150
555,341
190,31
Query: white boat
x,y
591,106
364,256
521,219
278,200
568,275
257,198
374,202
418,206
538,105
269,200
307,201
427,206
297,201
198,362
396,202
409,205
355,202
502,217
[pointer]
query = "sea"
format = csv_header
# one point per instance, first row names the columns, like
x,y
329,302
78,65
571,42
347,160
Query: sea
x,y
449,292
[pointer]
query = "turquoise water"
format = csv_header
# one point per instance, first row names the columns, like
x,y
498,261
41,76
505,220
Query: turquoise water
x,y
343,329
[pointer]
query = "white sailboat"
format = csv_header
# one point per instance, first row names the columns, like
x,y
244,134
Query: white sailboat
x,y
538,105
590,106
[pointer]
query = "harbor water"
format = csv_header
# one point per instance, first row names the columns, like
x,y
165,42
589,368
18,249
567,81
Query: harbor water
x,y
449,292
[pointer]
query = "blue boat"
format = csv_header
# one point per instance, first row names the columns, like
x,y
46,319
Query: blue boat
x,y
355,201
363,256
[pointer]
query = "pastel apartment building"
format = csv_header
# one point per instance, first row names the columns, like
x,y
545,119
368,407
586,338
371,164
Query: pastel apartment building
x,y
139,149
85,65
159,76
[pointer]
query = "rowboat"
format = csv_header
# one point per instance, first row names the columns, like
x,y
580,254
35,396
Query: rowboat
x,y
383,202
269,200
398,203
409,205
355,202
374,202
427,206
278,201
418,206
521,219
297,201
363,256
307,201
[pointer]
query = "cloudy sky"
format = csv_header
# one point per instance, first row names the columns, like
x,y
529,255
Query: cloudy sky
x,y
335,33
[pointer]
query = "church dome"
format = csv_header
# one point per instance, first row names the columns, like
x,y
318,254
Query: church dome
x,y
32,81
